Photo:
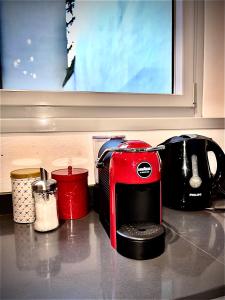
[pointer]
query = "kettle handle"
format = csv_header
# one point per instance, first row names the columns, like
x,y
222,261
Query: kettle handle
x,y
220,158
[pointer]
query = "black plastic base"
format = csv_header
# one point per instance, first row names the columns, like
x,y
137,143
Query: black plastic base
x,y
141,249
189,205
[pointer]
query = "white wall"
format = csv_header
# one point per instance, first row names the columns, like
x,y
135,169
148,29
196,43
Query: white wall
x,y
55,150
214,63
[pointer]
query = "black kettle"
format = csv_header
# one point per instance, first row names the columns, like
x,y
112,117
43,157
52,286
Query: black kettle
x,y
187,181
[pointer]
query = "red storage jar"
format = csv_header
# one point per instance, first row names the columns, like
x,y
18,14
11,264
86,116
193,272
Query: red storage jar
x,y
72,192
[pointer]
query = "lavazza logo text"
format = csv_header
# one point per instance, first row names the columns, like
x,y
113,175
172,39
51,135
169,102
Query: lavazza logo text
x,y
144,169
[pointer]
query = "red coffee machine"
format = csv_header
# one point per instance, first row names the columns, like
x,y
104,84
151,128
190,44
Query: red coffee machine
x,y
130,206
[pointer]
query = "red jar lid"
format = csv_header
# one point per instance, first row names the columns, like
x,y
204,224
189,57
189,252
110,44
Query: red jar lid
x,y
70,174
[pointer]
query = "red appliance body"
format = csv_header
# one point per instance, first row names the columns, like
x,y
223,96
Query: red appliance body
x,y
131,171
72,192
130,161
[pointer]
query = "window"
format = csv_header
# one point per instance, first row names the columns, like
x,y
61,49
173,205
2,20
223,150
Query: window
x,y
117,46
187,70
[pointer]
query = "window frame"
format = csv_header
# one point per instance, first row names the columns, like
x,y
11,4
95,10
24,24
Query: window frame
x,y
187,104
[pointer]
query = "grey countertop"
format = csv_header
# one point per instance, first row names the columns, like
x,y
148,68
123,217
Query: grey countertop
x,y
76,261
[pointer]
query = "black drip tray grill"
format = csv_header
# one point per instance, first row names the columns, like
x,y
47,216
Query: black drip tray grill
x,y
140,231
141,240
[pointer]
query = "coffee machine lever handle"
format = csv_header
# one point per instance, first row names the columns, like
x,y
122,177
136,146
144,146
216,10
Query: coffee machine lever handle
x,y
100,161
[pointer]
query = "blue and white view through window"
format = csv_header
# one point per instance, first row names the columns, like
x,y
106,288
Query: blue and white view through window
x,y
96,46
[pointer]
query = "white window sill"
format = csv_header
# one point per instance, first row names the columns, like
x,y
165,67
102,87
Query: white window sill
x,y
107,124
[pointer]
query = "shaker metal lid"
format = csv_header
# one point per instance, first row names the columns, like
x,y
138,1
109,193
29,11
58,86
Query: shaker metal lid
x,y
70,174
25,173
40,186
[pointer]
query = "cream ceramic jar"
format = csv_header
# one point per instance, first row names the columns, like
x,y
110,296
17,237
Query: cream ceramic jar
x,y
23,202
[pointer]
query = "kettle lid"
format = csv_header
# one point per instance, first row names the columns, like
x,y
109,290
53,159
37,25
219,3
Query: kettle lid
x,y
184,137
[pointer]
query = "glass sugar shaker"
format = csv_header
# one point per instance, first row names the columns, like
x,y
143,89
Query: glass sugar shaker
x,y
45,198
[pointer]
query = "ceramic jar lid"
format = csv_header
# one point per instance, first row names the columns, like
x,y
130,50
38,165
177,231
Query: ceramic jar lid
x,y
70,174
25,173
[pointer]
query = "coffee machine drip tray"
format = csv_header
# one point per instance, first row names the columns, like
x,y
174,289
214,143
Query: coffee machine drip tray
x,y
140,231
141,240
